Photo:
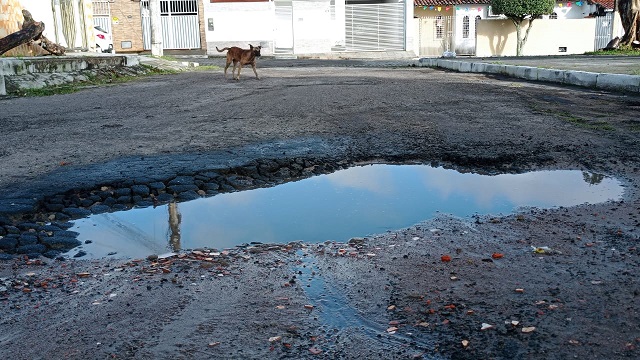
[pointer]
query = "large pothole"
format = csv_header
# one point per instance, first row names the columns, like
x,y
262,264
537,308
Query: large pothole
x,y
208,210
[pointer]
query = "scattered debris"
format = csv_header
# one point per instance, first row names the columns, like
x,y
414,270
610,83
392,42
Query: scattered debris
x,y
486,326
275,339
545,250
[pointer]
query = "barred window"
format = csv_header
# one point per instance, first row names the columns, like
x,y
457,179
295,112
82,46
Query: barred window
x,y
465,27
439,27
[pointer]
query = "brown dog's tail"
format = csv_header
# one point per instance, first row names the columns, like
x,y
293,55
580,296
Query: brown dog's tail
x,y
221,50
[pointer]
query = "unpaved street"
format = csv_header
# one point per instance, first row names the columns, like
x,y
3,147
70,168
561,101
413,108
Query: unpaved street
x,y
390,296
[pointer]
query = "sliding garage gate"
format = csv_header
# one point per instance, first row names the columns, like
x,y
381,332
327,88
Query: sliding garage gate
x,y
372,25
180,24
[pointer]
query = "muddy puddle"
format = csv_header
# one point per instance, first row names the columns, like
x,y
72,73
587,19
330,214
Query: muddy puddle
x,y
355,202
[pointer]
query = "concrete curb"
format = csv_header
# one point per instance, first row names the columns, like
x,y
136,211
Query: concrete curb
x,y
603,81
62,64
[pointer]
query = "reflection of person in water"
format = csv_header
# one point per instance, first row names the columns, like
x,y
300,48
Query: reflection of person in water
x,y
174,226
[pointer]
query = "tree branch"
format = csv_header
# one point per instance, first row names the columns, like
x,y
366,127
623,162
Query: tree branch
x,y
29,33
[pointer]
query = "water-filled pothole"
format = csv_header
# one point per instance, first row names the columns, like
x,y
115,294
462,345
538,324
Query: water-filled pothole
x,y
355,202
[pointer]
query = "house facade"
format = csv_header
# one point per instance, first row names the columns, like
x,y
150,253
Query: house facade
x,y
301,27
294,27
451,25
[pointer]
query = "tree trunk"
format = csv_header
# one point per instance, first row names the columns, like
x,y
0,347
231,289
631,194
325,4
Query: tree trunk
x,y
630,17
45,43
518,37
29,33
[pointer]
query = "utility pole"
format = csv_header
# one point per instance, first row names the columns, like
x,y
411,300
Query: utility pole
x,y
156,28
174,227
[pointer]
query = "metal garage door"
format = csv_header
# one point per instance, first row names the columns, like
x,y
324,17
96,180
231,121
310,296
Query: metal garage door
x,y
180,24
604,27
375,25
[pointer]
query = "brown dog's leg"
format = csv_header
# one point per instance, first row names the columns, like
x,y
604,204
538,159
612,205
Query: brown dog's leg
x,y
229,59
239,67
226,67
254,70
233,71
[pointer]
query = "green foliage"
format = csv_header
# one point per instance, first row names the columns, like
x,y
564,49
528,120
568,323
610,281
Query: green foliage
x,y
520,9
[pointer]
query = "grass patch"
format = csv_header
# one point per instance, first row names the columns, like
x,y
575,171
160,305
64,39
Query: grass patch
x,y
626,51
166,57
580,122
208,67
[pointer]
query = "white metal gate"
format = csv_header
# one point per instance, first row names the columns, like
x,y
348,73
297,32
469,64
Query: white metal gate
x,y
180,24
436,35
604,30
374,25
102,14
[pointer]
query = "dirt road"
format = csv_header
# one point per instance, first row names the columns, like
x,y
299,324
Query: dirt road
x,y
390,296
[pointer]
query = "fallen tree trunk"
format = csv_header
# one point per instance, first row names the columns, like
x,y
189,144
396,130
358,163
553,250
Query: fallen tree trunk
x,y
31,31
27,34
44,43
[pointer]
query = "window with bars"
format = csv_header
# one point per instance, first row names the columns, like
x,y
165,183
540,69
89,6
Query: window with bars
x,y
465,27
439,27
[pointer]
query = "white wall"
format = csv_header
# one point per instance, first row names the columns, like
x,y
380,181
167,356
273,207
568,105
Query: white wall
x,y
498,37
411,29
313,27
239,24
41,11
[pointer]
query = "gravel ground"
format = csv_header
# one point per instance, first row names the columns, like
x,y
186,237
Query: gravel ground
x,y
422,292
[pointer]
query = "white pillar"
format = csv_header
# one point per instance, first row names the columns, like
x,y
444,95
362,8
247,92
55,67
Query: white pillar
x,y
156,28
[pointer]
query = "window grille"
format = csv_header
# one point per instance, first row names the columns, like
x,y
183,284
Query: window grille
x,y
465,27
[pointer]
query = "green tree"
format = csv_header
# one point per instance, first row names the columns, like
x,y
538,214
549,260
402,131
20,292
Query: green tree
x,y
520,10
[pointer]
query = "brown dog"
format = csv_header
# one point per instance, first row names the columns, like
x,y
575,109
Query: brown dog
x,y
241,57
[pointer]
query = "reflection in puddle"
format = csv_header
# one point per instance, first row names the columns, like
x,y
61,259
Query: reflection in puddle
x,y
356,202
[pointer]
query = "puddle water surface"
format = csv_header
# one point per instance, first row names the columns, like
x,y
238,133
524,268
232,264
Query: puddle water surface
x,y
355,202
